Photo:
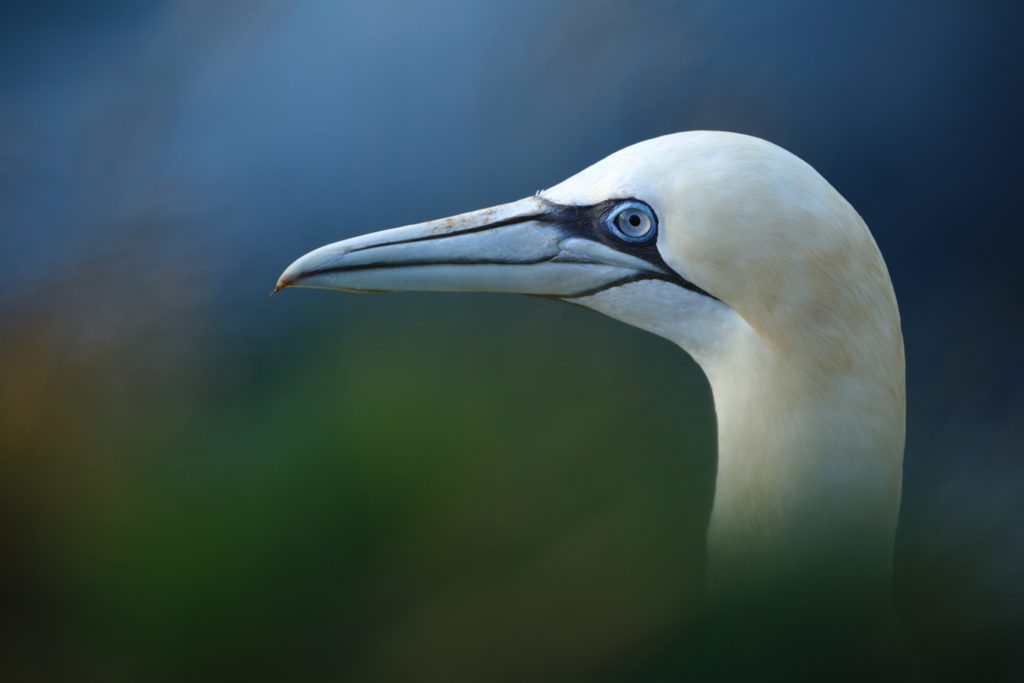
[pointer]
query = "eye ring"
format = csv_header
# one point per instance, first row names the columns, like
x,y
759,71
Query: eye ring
x,y
632,221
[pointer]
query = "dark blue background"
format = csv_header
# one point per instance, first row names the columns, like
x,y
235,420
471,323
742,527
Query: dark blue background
x,y
160,163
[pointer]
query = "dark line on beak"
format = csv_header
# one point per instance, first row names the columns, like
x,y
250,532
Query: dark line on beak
x,y
458,262
637,277
479,228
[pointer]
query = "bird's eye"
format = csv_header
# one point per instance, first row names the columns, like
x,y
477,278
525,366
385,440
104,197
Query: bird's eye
x,y
632,221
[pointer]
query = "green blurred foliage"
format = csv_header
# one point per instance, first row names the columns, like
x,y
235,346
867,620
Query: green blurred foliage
x,y
470,489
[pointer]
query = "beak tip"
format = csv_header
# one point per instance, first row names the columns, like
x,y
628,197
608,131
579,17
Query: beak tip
x,y
282,283
308,265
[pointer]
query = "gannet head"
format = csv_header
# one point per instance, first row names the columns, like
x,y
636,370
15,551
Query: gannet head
x,y
685,235
748,259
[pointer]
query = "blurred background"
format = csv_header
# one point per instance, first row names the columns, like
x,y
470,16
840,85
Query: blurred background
x,y
198,485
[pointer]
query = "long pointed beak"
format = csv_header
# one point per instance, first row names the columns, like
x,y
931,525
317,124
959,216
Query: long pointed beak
x,y
530,246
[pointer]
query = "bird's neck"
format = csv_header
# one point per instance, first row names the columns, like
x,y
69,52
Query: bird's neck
x,y
810,434
809,467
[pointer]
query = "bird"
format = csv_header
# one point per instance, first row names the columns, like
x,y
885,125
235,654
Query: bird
x,y
745,257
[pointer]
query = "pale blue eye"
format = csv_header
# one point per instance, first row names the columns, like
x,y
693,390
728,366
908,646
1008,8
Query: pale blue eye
x,y
632,221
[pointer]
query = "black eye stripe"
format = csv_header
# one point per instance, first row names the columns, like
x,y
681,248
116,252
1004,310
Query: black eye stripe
x,y
588,222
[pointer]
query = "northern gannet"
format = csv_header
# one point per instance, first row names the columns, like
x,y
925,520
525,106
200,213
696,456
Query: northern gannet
x,y
748,259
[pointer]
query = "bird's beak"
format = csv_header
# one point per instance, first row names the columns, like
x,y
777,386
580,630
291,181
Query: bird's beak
x,y
528,247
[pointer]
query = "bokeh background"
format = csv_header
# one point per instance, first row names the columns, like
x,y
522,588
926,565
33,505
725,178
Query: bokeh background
x,y
198,485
